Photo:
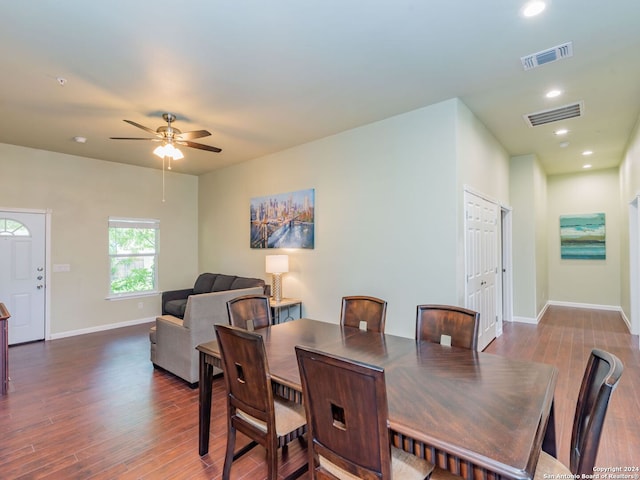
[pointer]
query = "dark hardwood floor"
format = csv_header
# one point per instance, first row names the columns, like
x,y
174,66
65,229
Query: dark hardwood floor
x,y
92,406
565,338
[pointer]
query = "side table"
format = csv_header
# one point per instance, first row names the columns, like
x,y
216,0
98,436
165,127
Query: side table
x,y
277,314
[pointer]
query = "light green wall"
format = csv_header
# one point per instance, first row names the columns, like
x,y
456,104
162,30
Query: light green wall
x,y
542,255
524,185
387,215
81,194
483,163
593,282
629,180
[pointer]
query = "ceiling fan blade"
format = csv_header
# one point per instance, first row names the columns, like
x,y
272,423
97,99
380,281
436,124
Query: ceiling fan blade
x,y
193,134
146,129
199,146
131,138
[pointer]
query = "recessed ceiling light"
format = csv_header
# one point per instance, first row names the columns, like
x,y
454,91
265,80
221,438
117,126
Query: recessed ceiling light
x,y
561,131
553,93
588,165
564,144
80,139
533,8
587,152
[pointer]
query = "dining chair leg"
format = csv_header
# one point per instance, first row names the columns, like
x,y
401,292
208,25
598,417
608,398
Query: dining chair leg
x,y
272,465
228,458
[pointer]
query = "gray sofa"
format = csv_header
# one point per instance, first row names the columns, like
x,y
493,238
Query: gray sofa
x,y
174,302
174,338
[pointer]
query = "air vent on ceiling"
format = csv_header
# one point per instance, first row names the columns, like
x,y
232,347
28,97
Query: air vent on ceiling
x,y
548,116
547,56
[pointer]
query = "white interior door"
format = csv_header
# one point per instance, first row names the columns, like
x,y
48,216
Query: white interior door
x,y
481,244
22,276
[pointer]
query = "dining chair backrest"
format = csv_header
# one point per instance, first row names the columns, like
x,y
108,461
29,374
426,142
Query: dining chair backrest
x,y
251,406
249,312
448,324
360,308
601,376
347,419
346,404
246,372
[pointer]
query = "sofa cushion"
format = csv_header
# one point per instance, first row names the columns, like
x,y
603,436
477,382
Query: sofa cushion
x,y
204,283
223,282
176,307
244,282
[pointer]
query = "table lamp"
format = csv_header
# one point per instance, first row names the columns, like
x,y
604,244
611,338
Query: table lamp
x,y
276,265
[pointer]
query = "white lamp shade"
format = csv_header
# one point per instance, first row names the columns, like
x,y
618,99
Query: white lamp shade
x,y
277,263
168,150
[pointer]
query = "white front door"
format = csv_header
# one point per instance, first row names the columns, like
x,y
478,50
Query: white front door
x,y
481,244
22,274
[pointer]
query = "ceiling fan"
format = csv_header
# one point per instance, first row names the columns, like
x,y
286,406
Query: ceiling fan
x,y
170,136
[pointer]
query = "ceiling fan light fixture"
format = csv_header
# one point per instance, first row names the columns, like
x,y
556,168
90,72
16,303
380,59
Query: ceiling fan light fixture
x,y
176,154
168,150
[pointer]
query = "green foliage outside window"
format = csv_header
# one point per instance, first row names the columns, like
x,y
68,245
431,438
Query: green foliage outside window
x,y
133,252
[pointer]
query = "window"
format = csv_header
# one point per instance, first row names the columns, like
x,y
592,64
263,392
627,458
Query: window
x,y
13,228
133,254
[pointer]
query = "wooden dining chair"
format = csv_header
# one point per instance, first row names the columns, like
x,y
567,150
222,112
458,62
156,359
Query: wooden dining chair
x,y
252,409
357,309
249,312
447,324
346,407
601,376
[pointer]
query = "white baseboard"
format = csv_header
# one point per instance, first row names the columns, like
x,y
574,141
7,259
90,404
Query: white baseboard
x,y
626,320
535,321
529,320
101,328
542,312
592,306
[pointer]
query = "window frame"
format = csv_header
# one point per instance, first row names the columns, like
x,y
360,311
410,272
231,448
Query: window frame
x,y
140,223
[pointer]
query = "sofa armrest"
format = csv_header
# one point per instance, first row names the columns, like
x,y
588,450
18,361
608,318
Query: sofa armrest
x,y
174,350
175,295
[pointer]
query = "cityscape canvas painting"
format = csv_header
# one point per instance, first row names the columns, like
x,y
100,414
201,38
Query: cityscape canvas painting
x,y
582,237
285,220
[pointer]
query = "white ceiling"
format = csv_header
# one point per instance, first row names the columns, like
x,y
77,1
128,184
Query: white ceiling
x,y
263,76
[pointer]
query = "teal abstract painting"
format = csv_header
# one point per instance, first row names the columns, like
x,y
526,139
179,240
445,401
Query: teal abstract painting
x,y
582,237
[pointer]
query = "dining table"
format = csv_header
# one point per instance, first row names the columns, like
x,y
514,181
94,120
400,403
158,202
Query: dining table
x,y
479,415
